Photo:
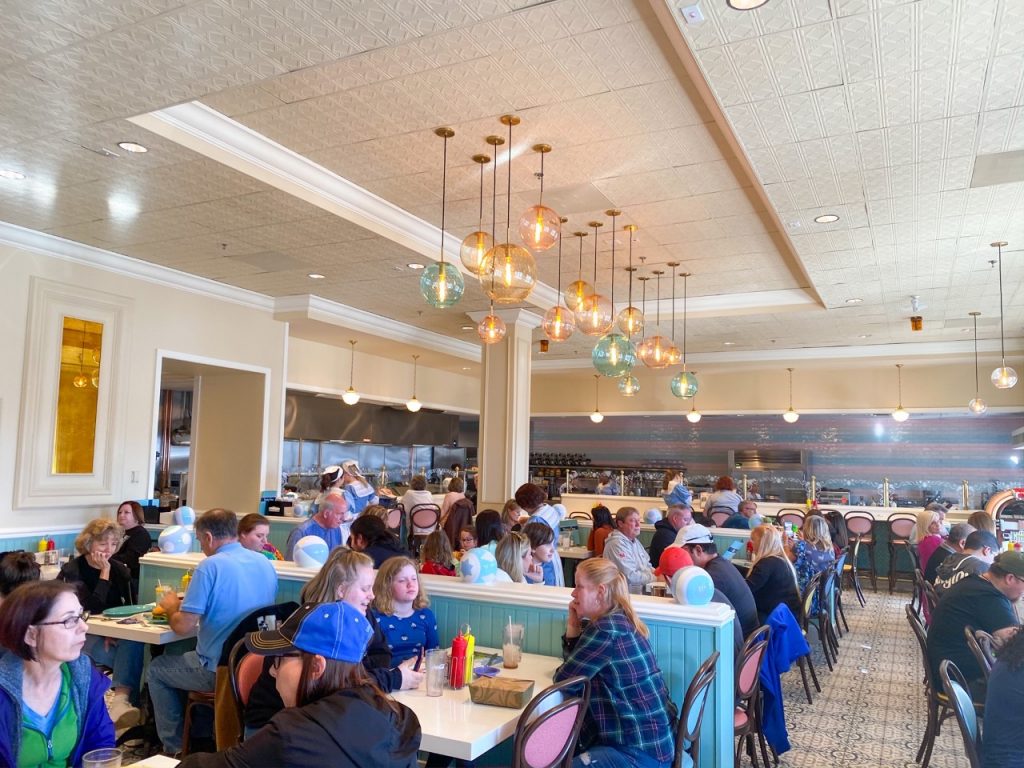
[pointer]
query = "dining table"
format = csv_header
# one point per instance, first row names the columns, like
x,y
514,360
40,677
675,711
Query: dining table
x,y
140,627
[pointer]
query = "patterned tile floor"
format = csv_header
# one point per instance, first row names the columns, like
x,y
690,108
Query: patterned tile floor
x,y
871,712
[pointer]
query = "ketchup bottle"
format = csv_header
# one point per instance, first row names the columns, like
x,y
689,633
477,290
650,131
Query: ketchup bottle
x,y
457,668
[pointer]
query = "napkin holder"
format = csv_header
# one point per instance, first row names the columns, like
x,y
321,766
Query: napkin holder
x,y
501,691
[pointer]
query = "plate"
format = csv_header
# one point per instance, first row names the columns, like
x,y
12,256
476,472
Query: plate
x,y
157,619
128,610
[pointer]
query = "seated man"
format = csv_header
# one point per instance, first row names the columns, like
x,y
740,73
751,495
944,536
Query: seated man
x,y
746,517
624,549
982,602
666,529
326,523
227,586
698,541
952,544
979,550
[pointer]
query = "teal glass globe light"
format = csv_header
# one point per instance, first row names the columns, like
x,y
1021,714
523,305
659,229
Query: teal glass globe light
x,y
684,385
441,285
614,355
629,385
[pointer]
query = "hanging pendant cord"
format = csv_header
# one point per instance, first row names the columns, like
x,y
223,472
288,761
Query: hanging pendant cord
x,y
976,385
1002,343
444,193
684,321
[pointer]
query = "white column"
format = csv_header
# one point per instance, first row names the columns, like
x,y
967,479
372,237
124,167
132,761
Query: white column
x,y
505,409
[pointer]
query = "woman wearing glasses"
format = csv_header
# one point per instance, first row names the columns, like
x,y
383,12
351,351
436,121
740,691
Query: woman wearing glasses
x,y
51,696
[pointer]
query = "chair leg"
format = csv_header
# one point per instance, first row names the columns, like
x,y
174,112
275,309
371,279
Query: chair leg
x,y
842,614
824,643
810,667
892,569
855,580
924,754
873,567
803,677
186,730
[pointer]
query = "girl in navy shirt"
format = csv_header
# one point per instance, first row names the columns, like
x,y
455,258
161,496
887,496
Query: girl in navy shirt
x,y
400,606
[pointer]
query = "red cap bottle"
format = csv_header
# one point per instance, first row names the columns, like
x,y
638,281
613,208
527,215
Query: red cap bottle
x,y
457,668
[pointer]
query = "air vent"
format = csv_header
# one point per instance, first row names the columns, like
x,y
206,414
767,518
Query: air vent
x,y
759,459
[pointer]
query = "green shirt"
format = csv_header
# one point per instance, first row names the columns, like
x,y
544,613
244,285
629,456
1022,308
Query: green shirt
x,y
50,750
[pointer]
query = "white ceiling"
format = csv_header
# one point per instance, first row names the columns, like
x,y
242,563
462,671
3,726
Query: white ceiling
x,y
873,111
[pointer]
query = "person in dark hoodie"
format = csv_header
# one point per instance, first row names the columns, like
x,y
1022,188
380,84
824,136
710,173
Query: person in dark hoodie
x,y
665,530
334,714
371,536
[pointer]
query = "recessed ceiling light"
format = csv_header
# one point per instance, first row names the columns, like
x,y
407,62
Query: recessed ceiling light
x,y
132,146
469,327
414,265
854,301
465,368
864,336
826,218
315,276
14,175
728,343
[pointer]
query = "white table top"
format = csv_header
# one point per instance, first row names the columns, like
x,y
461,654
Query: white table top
x,y
575,553
143,632
453,725
157,761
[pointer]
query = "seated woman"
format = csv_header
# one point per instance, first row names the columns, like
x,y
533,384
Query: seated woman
x,y
436,555
627,721
400,605
103,583
334,713
489,529
347,576
253,533
927,533
371,536
512,516
724,495
456,515
812,553
51,695
674,491
456,491
772,578
602,517
515,559
137,541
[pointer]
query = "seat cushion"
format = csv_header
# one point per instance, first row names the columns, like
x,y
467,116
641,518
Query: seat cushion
x,y
739,718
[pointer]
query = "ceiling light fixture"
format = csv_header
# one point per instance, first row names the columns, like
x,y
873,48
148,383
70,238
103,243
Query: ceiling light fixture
x,y
694,415
7,173
728,343
414,265
476,244
578,290
684,383
977,405
654,351
1002,377
901,414
467,327
790,416
413,404
597,417
596,316
629,385
132,146
441,283
826,218
539,226
492,329
315,276
614,355
559,322
631,319
350,396
855,301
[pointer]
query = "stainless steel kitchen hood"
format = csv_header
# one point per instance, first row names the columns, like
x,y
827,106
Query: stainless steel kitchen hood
x,y
309,417
761,459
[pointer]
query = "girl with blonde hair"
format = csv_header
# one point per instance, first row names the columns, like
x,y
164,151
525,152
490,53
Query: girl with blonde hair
x,y
515,556
772,578
813,552
627,719
400,607
927,533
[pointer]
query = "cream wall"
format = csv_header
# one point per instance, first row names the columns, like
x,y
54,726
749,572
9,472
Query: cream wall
x,y
174,320
323,368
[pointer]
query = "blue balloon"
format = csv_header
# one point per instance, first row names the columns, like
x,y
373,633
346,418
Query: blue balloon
x,y
310,552
692,586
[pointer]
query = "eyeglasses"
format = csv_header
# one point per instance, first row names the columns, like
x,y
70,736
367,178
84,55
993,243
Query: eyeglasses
x,y
69,623
276,663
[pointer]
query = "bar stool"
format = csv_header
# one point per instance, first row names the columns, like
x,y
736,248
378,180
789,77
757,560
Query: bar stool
x,y
901,528
860,526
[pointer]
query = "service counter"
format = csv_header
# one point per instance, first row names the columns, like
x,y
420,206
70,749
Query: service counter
x,y
682,636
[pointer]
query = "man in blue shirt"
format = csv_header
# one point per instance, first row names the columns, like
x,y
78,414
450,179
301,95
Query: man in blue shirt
x,y
327,523
227,586
746,518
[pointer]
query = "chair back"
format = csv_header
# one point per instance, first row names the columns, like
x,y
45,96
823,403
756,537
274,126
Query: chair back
x,y
719,516
859,524
425,516
579,516
955,686
807,599
550,725
692,713
748,665
922,641
986,644
792,516
929,597
245,669
828,593
979,655
394,519
901,525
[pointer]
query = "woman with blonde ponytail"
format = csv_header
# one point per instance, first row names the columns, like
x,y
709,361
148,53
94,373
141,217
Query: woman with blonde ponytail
x,y
627,720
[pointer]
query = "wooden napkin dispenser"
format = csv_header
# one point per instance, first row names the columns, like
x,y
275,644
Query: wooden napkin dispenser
x,y
501,691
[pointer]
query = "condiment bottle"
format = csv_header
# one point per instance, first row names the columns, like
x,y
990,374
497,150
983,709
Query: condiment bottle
x,y
470,647
457,668
50,545
42,545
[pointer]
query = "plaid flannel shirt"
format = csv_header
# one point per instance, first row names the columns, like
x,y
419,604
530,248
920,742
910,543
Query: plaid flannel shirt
x,y
628,697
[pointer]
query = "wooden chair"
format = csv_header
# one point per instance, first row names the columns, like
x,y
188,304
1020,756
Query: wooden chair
x,y
955,687
987,646
939,705
901,528
851,571
791,515
984,661
692,714
245,669
424,517
550,725
861,527
812,614
747,713
719,515
579,516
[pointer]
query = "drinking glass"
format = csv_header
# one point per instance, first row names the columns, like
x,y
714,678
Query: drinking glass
x,y
511,645
437,670
102,758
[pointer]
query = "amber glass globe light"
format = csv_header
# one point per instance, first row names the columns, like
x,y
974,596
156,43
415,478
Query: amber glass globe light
x,y
631,321
474,247
558,324
508,273
654,352
539,226
491,329
579,289
595,316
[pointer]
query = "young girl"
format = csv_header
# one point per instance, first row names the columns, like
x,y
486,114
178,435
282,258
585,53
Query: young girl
x,y
467,538
542,542
515,557
400,606
436,555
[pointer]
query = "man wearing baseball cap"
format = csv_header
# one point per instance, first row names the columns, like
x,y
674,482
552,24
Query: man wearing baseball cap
x,y
983,602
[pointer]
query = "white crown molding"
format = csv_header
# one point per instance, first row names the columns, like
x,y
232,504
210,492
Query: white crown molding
x,y
524,318
309,307
68,250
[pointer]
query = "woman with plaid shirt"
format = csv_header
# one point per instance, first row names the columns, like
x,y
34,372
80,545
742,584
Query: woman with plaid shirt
x,y
627,724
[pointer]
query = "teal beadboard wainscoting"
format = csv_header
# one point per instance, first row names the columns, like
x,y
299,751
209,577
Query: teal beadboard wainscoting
x,y
63,539
682,637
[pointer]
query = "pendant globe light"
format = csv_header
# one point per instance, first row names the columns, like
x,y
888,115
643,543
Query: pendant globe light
x,y
491,329
81,381
441,283
596,315
350,396
901,414
614,355
684,383
578,290
508,271
539,226
674,355
412,404
559,322
476,244
597,417
791,416
654,350
631,319
977,405
1002,377
694,415
629,386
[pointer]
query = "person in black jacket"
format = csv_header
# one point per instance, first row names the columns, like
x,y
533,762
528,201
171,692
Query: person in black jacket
x,y
371,536
772,578
103,583
137,541
347,576
334,714
665,530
